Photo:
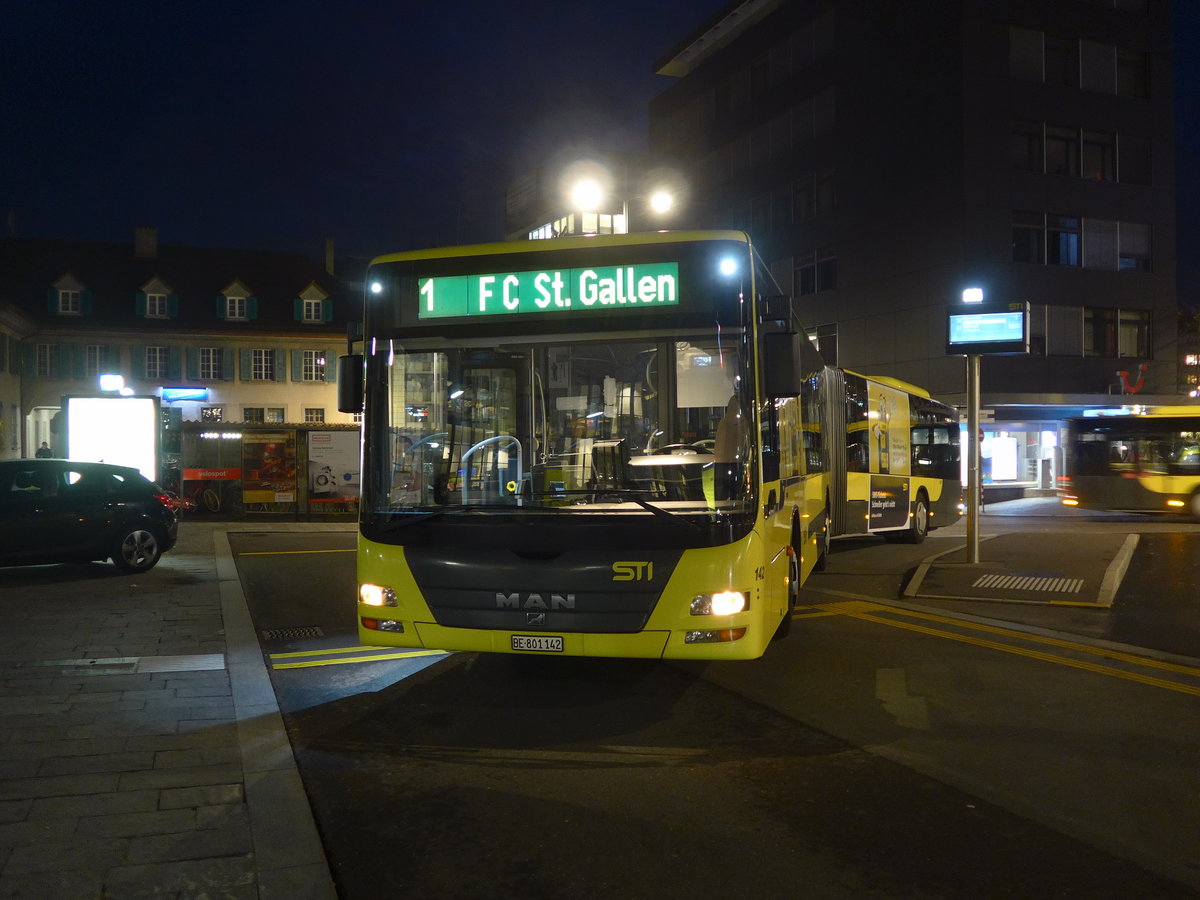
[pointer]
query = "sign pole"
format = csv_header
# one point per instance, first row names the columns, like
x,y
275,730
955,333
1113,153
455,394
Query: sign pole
x,y
973,486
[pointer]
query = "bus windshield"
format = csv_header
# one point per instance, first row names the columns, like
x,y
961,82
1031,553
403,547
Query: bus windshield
x,y
568,426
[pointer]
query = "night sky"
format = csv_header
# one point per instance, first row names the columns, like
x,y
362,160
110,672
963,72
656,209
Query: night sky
x,y
251,124
383,125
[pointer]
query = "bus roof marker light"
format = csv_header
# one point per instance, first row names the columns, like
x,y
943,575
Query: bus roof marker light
x,y
972,295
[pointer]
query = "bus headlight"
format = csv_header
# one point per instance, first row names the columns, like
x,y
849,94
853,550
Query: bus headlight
x,y
722,603
376,595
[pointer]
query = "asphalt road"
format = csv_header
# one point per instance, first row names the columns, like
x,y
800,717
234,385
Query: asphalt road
x,y
877,752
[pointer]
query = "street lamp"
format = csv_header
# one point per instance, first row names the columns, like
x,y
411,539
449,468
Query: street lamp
x,y
591,189
973,295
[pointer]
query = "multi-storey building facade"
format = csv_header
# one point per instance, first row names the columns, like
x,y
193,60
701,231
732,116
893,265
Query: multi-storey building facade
x,y
252,336
886,155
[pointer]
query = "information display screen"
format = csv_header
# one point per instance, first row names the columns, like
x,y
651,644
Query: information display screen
x,y
632,287
990,330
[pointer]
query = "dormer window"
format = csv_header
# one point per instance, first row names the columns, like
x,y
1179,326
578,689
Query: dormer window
x,y
156,300
156,306
235,307
313,306
69,297
237,303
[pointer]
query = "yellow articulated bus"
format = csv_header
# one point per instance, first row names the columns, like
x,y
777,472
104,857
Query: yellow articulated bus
x,y
1135,462
601,446
898,470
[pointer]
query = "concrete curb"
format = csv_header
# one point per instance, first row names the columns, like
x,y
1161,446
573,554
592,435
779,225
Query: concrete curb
x,y
288,853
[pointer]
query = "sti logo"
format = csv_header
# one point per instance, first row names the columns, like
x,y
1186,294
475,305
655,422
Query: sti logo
x,y
633,570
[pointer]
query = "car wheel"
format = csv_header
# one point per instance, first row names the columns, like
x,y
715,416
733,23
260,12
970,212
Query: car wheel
x,y
137,550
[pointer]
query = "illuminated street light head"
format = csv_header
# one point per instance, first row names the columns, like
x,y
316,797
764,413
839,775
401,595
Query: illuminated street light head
x,y
661,201
587,195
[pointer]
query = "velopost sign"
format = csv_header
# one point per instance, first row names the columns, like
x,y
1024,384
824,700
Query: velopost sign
x,y
549,291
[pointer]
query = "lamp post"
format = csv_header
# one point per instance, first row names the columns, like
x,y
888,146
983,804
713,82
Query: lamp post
x,y
589,195
973,295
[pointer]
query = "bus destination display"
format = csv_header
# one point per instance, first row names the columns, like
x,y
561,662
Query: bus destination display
x,y
553,290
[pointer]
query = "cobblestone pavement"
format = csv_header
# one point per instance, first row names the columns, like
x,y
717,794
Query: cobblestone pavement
x,y
141,750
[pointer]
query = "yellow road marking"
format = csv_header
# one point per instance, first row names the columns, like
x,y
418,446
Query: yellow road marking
x,y
377,657
292,552
857,604
858,610
330,652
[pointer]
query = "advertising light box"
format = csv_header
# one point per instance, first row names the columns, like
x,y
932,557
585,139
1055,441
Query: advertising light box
x,y
996,329
118,430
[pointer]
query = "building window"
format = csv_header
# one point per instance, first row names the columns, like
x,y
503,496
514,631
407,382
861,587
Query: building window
x,y
1134,247
253,415
156,362
68,303
1062,61
815,275
824,338
275,414
1064,242
1029,237
1133,334
1100,332
1025,54
314,311
1099,156
313,365
1062,150
212,414
47,360
1098,67
91,360
262,365
827,273
1133,74
1133,159
1099,244
235,307
156,306
1116,333
210,364
803,199
314,415
1025,147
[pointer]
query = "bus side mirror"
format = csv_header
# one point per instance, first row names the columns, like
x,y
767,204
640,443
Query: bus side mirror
x,y
781,364
350,383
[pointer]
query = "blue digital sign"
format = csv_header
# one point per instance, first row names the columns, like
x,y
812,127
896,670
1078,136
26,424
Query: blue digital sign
x,y
990,330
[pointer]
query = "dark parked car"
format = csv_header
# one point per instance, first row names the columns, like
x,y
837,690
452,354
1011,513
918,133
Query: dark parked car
x,y
58,510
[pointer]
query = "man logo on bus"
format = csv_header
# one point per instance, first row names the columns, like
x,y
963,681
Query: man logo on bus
x,y
633,570
519,600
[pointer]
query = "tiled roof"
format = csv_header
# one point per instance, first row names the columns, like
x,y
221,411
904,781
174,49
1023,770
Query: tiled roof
x,y
112,273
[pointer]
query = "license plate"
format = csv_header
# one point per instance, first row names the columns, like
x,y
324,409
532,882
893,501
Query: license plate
x,y
538,643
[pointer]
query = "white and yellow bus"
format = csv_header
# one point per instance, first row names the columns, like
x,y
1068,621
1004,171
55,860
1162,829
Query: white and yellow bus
x,y
897,471
1137,462
601,446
